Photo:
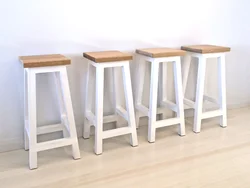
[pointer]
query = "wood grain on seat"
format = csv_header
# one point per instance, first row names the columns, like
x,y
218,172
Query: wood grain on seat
x,y
160,52
44,60
204,49
107,56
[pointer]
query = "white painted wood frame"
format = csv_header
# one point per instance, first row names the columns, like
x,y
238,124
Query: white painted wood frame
x,y
97,119
198,105
67,124
153,109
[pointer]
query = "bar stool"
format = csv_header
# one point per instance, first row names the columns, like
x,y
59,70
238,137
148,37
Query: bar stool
x,y
55,64
203,52
114,60
159,56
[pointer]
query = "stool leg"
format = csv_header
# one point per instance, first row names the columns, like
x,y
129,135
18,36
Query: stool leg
x,y
153,100
99,109
199,94
88,102
140,75
163,86
31,78
116,95
129,104
222,86
69,112
179,96
61,103
26,124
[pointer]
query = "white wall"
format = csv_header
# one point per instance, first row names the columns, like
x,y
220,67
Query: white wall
x,y
71,27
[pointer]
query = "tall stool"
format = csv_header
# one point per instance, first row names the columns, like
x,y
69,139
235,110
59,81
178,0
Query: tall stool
x,y
114,60
203,52
55,64
159,56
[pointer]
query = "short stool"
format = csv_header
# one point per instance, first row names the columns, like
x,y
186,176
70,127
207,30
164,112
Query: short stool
x,y
55,64
159,56
204,52
100,61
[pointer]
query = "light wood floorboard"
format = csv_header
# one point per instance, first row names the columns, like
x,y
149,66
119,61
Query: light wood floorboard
x,y
217,157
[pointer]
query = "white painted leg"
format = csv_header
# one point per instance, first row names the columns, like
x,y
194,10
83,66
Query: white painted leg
x,y
116,94
179,96
199,94
69,112
140,75
222,86
26,124
88,101
31,77
163,86
129,103
153,100
99,109
61,104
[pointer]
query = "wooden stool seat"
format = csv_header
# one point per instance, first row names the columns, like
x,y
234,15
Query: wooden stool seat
x,y
160,52
107,56
44,60
205,49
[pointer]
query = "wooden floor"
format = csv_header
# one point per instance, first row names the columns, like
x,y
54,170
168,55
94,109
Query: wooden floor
x,y
217,157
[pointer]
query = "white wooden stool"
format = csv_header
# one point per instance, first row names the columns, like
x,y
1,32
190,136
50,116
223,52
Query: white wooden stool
x,y
55,64
203,52
114,60
159,56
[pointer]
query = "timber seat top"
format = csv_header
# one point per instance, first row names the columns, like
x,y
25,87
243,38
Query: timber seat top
x,y
44,60
160,52
107,56
205,49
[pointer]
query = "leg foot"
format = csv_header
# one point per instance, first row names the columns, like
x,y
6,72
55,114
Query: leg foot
x,y
98,148
151,141
223,126
151,132
196,132
181,135
32,160
134,139
75,151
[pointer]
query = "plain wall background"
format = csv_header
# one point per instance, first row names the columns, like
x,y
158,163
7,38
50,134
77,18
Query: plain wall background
x,y
71,27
